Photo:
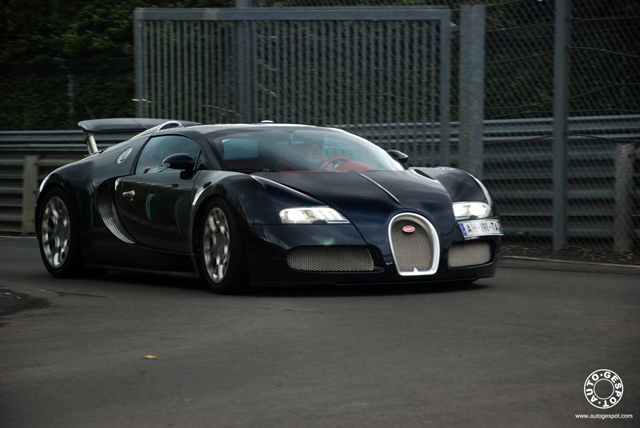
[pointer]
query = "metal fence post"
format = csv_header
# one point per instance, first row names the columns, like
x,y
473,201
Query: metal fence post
x,y
29,193
137,60
246,72
623,223
560,115
246,68
445,90
472,32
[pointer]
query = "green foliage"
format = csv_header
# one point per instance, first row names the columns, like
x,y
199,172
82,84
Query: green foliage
x,y
35,30
63,61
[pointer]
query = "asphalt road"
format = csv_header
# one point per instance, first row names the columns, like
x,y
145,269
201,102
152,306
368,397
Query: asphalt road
x,y
514,350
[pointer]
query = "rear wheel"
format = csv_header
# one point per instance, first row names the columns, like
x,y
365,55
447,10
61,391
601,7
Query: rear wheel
x,y
222,251
59,241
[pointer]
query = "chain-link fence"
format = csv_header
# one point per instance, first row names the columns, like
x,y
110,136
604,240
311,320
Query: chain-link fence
x,y
604,81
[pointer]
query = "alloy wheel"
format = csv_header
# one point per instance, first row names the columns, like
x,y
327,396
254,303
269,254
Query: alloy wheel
x,y
56,232
216,245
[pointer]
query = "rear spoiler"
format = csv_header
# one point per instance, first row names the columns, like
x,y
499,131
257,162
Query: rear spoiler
x,y
140,125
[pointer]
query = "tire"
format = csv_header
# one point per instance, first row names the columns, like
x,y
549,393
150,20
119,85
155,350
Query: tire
x,y
58,236
222,258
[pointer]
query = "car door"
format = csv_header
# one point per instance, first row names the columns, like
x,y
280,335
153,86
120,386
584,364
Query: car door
x,y
154,203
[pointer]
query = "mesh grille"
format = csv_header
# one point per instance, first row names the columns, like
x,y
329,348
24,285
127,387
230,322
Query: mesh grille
x,y
469,254
330,259
412,251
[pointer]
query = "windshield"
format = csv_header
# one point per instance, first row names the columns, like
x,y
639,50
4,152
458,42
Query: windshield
x,y
320,150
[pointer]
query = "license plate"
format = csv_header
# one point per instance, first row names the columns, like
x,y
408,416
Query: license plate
x,y
474,228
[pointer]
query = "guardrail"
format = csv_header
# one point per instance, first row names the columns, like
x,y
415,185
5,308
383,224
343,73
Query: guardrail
x,y
603,179
26,157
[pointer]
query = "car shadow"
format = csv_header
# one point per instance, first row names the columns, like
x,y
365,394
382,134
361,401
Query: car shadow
x,y
191,283
155,280
365,290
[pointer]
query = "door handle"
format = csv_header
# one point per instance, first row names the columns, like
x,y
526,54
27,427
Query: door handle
x,y
129,195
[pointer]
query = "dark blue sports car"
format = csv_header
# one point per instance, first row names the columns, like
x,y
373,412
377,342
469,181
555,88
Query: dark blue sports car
x,y
260,204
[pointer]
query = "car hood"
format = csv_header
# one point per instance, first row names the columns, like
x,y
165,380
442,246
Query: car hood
x,y
369,199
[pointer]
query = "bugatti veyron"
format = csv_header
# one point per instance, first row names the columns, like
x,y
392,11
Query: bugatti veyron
x,y
260,204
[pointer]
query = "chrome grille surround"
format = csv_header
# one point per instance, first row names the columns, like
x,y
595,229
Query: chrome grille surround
x,y
416,253
470,253
330,259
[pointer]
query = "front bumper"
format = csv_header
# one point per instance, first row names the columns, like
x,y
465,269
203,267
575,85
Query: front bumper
x,y
269,246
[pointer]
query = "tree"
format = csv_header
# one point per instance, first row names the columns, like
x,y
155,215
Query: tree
x,y
63,60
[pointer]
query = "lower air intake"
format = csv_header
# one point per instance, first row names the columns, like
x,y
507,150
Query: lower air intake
x,y
330,259
466,254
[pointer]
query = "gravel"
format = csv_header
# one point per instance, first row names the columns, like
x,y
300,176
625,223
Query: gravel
x,y
574,254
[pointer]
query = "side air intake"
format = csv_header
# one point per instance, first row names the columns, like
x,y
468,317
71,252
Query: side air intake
x,y
109,215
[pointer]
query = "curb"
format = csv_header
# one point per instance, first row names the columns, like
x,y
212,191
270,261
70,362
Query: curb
x,y
569,261
533,263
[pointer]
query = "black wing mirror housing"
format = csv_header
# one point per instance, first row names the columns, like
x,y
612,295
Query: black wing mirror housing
x,y
181,161
398,156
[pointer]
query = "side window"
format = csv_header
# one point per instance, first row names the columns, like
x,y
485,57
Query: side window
x,y
201,163
240,148
158,148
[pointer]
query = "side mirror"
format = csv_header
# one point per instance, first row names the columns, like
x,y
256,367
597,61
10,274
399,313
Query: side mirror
x,y
182,161
398,156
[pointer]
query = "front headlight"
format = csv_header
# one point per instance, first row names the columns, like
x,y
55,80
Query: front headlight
x,y
311,215
471,210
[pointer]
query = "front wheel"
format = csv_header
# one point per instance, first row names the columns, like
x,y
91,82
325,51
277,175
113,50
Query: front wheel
x,y
59,241
222,251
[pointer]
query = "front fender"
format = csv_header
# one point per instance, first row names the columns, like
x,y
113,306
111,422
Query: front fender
x,y
70,179
460,185
255,200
